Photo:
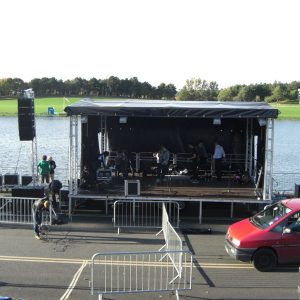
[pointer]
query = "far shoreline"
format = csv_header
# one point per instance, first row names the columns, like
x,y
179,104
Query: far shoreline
x,y
9,107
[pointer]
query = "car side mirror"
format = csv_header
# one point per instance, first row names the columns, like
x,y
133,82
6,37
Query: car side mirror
x,y
287,230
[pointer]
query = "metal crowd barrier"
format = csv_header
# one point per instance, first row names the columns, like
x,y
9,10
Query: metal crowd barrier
x,y
173,243
16,210
139,272
144,214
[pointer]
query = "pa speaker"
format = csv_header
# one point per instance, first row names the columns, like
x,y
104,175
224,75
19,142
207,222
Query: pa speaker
x,y
26,179
11,179
28,191
26,119
297,191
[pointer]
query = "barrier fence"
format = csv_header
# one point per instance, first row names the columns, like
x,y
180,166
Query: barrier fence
x,y
139,272
173,243
144,214
17,210
169,269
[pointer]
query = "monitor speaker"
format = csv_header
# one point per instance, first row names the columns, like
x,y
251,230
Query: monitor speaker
x,y
11,179
132,187
26,119
26,179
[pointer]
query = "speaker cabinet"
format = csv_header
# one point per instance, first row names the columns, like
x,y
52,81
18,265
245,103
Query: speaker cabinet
x,y
28,191
297,191
132,187
26,179
26,119
64,195
11,179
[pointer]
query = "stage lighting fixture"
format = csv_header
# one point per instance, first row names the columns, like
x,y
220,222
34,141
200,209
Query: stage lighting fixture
x,y
123,120
262,121
216,121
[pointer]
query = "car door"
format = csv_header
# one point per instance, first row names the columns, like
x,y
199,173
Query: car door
x,y
290,241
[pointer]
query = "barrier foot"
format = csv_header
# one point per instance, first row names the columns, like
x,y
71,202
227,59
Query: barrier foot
x,y
177,295
100,297
174,279
118,230
159,232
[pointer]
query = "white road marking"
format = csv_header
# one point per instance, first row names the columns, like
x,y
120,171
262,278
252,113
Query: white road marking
x,y
72,285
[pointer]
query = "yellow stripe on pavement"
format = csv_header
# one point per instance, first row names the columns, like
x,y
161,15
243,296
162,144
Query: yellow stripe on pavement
x,y
118,262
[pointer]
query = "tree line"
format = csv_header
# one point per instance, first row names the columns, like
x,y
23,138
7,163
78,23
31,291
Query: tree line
x,y
198,89
111,87
194,89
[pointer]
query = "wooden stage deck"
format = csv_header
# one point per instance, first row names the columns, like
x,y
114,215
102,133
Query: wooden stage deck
x,y
177,187
225,197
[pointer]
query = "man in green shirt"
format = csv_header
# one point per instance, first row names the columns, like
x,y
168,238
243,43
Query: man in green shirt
x,y
44,169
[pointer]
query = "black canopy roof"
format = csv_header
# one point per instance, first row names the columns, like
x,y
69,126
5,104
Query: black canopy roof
x,y
162,108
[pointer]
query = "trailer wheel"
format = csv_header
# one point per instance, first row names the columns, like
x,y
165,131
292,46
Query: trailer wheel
x,y
264,260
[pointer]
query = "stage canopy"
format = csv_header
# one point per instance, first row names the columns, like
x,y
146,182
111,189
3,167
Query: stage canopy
x,y
175,109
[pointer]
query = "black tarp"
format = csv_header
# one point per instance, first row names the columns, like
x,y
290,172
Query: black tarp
x,y
173,109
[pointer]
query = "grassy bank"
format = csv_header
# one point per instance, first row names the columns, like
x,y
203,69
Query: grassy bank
x,y
288,111
10,107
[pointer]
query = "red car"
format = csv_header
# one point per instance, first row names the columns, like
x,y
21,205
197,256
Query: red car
x,y
270,237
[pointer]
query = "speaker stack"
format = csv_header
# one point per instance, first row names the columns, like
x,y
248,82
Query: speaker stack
x,y
28,191
26,118
297,191
11,179
26,179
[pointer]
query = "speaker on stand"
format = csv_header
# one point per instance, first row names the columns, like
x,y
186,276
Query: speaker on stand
x,y
26,121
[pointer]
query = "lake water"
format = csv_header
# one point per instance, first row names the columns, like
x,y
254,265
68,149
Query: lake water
x,y
53,139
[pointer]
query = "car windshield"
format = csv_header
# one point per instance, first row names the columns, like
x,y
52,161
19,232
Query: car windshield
x,y
270,215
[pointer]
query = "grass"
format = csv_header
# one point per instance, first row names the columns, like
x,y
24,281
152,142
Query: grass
x,y
9,107
288,111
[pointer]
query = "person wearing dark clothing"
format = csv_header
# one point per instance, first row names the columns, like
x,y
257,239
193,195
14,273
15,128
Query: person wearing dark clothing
x,y
44,169
162,158
124,164
38,207
199,155
52,167
194,166
54,188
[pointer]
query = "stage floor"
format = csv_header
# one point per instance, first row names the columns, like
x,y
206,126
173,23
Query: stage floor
x,y
176,186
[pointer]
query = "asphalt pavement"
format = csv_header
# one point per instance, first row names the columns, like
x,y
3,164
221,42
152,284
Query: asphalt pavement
x,y
57,267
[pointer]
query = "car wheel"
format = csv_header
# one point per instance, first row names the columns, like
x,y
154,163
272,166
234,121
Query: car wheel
x,y
264,260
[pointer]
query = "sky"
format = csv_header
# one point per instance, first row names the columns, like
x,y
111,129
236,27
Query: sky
x,y
227,41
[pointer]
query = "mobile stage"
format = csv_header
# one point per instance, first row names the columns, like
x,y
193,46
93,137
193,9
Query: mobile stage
x,y
137,127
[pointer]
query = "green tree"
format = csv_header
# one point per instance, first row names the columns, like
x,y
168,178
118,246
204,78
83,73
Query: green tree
x,y
198,89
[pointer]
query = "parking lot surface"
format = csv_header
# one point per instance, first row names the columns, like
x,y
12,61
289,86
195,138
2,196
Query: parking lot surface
x,y
58,267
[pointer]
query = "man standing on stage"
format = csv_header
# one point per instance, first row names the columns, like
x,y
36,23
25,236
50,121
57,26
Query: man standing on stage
x,y
52,168
218,156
